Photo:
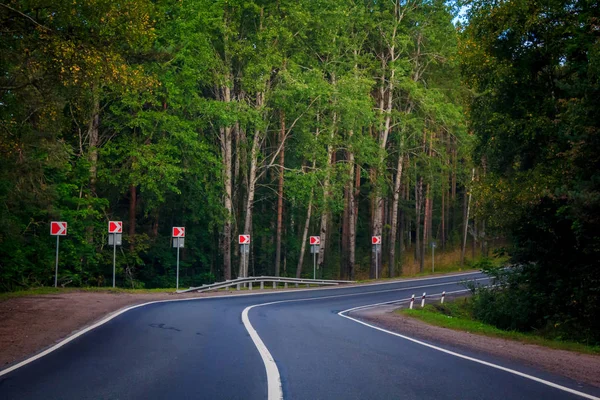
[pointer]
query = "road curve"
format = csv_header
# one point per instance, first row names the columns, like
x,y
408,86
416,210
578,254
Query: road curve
x,y
201,349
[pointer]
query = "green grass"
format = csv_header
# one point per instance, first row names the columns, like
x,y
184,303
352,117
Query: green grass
x,y
457,315
52,290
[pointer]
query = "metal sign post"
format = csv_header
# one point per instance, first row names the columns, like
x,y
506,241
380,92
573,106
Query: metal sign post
x,y
58,229
178,241
376,242
314,249
114,261
315,263
115,230
177,281
315,242
244,241
56,268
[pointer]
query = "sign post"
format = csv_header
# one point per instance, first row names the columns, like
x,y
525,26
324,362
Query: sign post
x,y
244,241
115,231
178,241
315,242
376,242
58,229
432,256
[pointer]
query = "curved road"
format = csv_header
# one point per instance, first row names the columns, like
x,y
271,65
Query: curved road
x,y
202,349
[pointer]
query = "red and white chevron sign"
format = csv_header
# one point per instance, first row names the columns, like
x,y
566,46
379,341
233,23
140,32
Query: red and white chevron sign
x,y
244,239
375,239
115,226
178,231
314,240
58,228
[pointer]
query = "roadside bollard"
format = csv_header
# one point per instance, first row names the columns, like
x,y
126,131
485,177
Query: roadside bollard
x,y
423,300
412,301
443,295
250,286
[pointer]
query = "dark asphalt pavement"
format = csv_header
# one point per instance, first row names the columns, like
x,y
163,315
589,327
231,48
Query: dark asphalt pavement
x,y
200,349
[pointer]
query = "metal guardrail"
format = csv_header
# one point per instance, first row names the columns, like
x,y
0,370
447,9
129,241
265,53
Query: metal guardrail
x,y
262,279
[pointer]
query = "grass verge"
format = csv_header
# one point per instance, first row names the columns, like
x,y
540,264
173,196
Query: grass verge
x,y
52,290
457,315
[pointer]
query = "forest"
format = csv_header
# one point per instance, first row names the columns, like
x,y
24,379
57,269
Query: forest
x,y
470,125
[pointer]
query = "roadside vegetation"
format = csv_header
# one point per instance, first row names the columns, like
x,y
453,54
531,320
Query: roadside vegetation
x,y
284,119
460,315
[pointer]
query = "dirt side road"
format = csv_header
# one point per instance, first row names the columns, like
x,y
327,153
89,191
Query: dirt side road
x,y
580,367
32,323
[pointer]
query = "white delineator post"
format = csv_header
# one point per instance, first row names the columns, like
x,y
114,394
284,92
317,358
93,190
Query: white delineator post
x,y
423,300
412,301
443,295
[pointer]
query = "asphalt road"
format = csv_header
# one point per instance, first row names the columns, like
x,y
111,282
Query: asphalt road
x,y
201,349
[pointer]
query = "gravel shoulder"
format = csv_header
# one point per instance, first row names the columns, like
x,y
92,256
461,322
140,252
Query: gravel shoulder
x,y
30,324
583,368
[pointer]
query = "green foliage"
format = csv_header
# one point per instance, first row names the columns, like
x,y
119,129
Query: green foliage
x,y
117,111
459,315
532,69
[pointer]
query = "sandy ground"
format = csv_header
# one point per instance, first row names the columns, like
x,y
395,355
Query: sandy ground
x,y
580,367
30,324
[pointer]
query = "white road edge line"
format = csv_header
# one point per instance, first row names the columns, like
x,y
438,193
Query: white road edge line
x,y
117,313
275,390
489,364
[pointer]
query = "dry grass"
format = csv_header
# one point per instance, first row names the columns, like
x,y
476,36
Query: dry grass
x,y
445,261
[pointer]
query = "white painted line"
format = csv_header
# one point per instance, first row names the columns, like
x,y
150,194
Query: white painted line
x,y
116,314
275,389
489,364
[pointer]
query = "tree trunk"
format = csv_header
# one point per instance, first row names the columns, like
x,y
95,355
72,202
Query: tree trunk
x,y
383,136
155,225
132,207
280,195
466,223
394,219
418,206
304,236
426,233
94,137
94,141
353,222
252,180
325,212
344,243
226,152
443,222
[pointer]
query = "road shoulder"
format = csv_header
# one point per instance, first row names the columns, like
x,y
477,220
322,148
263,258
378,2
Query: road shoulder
x,y
31,324
583,368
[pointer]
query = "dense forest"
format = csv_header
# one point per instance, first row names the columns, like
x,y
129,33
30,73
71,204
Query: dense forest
x,y
285,119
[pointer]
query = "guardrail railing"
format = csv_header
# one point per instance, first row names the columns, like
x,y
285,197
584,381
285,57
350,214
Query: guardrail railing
x,y
276,280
